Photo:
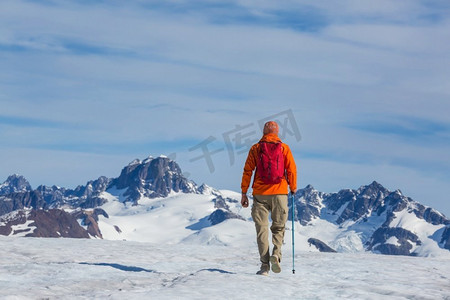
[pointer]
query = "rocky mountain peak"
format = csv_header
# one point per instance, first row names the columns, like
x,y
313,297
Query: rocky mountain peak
x,y
376,184
206,190
152,177
13,184
93,187
308,204
308,188
134,162
373,190
355,204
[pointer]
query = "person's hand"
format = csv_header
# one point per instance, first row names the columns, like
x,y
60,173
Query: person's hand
x,y
293,192
244,200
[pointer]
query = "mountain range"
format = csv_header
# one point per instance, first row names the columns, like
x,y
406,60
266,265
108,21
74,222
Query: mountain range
x,y
151,201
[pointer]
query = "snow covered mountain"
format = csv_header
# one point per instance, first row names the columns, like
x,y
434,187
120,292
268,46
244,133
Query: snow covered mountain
x,y
13,184
372,218
152,201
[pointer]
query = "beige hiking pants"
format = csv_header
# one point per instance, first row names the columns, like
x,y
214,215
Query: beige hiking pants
x,y
277,206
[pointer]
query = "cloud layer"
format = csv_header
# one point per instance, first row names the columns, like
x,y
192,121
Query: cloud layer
x,y
86,87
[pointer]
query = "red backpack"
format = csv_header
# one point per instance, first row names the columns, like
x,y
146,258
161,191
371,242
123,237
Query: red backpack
x,y
270,162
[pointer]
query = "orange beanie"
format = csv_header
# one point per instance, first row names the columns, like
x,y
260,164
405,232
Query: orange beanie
x,y
271,127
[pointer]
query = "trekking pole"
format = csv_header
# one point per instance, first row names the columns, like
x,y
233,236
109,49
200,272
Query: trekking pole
x,y
293,229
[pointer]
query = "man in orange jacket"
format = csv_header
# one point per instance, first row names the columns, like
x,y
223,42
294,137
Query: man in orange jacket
x,y
269,198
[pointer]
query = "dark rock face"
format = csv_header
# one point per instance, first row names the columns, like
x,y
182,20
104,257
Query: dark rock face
x,y
92,188
9,220
405,239
21,200
92,202
43,223
336,200
307,205
430,215
207,190
50,197
90,219
56,223
152,178
320,245
220,215
54,196
220,202
15,184
87,196
358,203
445,240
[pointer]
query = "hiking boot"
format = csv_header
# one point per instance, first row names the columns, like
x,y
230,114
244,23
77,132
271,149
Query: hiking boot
x,y
275,261
264,270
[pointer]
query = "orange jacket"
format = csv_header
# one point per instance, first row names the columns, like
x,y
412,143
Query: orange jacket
x,y
261,188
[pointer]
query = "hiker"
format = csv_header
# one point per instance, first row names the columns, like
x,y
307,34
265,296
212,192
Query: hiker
x,y
275,170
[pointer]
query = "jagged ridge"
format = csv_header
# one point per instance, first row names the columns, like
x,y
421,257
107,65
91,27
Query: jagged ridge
x,y
354,209
376,215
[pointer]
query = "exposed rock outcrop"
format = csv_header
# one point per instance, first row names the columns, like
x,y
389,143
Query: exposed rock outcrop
x,y
357,204
321,246
42,223
393,241
307,205
445,240
21,200
220,215
89,218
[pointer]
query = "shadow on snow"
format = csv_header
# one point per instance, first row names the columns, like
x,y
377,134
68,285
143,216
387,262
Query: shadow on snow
x,y
119,267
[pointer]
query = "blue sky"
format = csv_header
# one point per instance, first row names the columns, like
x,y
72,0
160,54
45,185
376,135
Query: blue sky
x,y
87,86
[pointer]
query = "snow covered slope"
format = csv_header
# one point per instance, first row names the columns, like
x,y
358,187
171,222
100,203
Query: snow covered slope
x,y
159,220
99,269
187,218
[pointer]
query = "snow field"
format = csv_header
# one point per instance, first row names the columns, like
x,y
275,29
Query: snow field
x,y
36,268
159,220
168,250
